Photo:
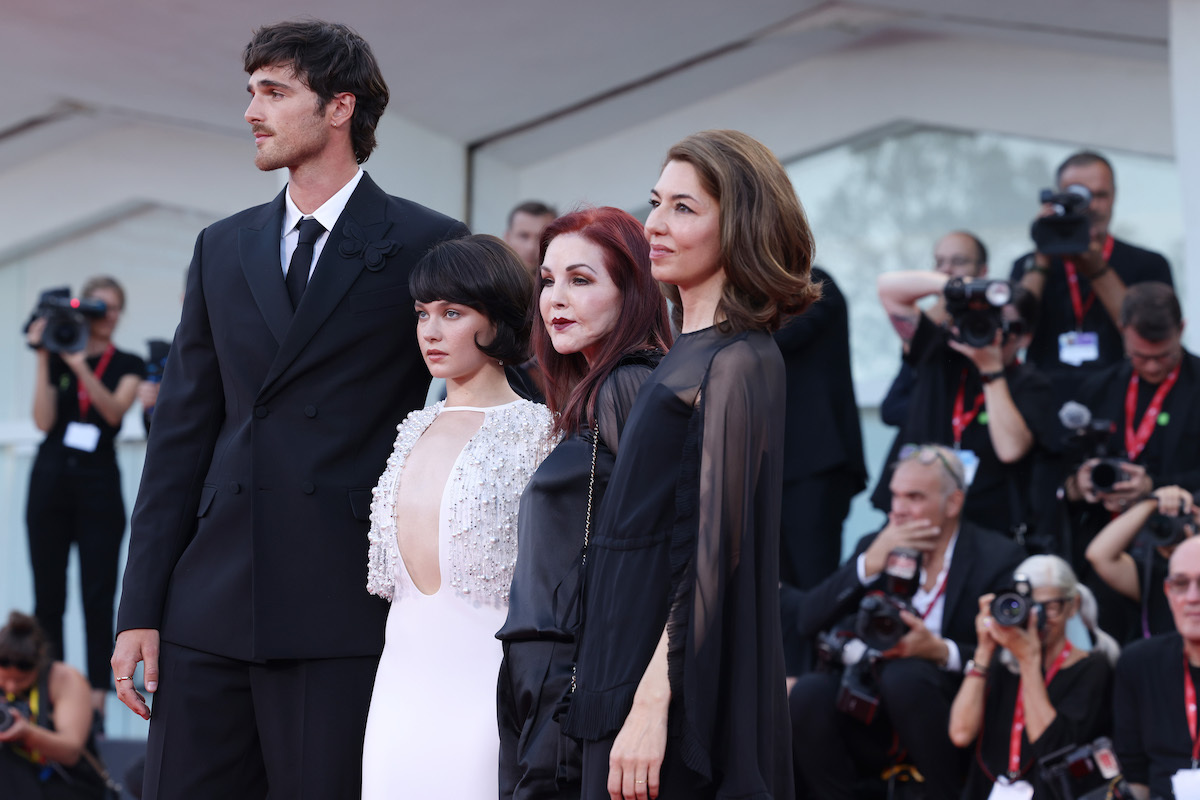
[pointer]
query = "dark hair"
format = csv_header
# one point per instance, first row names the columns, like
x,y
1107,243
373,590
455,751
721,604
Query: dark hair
x,y
1026,304
570,383
981,252
330,58
534,208
1152,308
1084,158
483,273
22,640
102,282
766,244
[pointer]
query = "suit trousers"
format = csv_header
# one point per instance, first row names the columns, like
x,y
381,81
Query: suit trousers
x,y
226,728
76,500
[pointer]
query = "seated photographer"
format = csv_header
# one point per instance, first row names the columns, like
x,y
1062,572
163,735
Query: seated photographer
x,y
901,686
1028,679
45,720
971,391
1154,698
1078,261
1136,567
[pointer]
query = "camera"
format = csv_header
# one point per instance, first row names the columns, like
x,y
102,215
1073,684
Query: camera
x,y
1068,230
1167,531
1085,772
1089,439
975,308
1011,607
66,318
7,718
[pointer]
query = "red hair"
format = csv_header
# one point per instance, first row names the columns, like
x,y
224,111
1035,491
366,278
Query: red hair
x,y
570,383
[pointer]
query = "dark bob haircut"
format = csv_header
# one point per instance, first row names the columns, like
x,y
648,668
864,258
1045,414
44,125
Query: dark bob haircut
x,y
483,273
571,382
22,640
330,58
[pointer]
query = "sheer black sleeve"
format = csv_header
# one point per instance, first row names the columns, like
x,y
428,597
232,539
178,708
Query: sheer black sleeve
x,y
615,400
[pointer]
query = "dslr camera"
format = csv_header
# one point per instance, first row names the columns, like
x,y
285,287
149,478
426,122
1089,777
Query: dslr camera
x,y
1068,230
1166,531
1085,772
1011,607
975,308
877,627
67,319
1089,439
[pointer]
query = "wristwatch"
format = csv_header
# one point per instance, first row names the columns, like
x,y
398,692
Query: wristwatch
x,y
975,669
988,377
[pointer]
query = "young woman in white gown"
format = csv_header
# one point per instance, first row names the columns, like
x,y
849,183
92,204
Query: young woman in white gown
x,y
443,536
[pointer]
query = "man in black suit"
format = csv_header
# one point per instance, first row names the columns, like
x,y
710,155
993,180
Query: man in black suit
x,y
918,678
294,361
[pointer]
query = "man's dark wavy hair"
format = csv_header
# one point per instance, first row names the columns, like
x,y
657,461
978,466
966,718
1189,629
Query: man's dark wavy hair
x,y
330,58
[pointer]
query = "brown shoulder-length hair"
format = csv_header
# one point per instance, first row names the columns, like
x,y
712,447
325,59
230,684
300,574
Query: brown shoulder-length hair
x,y
571,384
766,244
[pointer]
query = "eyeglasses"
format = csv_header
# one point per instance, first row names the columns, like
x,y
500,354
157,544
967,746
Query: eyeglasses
x,y
954,261
927,454
19,664
1179,584
1055,606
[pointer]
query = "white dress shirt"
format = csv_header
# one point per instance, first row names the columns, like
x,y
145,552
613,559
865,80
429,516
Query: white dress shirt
x,y
327,215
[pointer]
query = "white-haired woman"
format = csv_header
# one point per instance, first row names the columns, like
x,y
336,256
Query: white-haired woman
x,y
1029,691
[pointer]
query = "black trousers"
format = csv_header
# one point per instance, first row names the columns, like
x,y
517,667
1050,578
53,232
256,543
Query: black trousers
x,y
833,751
76,500
225,728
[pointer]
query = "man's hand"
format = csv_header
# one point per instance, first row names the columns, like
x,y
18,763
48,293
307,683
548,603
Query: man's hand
x,y
919,534
1091,262
1125,493
986,359
134,645
919,642
37,329
1173,501
147,394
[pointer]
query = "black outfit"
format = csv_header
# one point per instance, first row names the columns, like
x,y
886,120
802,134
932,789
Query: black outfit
x,y
1057,315
1080,695
249,548
75,498
894,408
1002,495
536,759
1151,731
688,540
834,750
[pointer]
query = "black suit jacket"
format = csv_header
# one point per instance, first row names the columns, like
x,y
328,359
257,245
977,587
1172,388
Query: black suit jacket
x,y
983,562
249,534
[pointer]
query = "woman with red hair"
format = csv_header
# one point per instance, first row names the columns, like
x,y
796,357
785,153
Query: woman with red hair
x,y
604,328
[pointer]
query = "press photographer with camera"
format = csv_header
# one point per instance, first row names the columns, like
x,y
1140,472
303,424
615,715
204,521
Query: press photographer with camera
x,y
972,393
1131,553
1029,692
82,389
839,739
46,748
1076,263
1154,697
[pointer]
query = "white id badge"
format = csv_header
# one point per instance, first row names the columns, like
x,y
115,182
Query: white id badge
x,y
1002,789
970,463
1186,784
82,436
1078,347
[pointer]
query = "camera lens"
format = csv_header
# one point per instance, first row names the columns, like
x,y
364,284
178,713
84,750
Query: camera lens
x,y
1010,609
1104,476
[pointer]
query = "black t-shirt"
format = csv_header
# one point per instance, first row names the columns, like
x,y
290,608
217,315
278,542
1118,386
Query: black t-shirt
x,y
1057,316
66,387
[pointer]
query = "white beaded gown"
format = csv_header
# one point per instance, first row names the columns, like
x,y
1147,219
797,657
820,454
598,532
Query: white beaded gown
x,y
431,729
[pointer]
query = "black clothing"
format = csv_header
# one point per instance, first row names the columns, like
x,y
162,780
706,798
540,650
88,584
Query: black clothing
x,y
1150,726
1079,694
998,487
832,749
1057,315
894,408
536,759
75,499
688,540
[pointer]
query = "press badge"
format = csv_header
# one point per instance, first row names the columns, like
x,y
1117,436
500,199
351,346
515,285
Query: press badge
x,y
970,463
1002,789
1186,783
82,436
1078,347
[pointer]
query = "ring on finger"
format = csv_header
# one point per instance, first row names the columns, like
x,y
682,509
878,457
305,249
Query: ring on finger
x,y
125,678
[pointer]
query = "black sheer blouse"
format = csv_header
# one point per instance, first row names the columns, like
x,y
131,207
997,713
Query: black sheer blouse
x,y
688,539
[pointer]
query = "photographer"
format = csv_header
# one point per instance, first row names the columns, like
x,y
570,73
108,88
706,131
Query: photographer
x,y
1137,567
1154,705
45,718
917,678
1027,674
79,401
1078,336
981,400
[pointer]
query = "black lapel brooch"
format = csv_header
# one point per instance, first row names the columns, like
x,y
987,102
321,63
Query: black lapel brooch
x,y
355,243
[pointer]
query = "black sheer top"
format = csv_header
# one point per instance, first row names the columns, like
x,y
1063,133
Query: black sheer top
x,y
543,603
688,539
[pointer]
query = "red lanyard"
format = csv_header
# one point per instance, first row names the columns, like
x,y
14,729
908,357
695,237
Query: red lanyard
x,y
961,420
1077,303
1018,727
1189,705
941,590
85,402
1135,441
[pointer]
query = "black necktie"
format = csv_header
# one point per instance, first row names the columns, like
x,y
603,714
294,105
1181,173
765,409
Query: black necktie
x,y
301,263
